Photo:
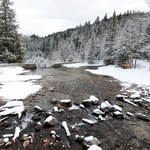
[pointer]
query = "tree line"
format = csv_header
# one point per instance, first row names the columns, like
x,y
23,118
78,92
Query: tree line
x,y
116,40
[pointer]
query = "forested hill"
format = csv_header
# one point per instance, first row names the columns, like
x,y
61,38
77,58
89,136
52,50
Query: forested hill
x,y
117,39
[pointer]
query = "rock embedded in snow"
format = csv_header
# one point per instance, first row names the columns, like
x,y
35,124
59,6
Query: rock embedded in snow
x,y
65,103
90,140
50,121
94,147
94,100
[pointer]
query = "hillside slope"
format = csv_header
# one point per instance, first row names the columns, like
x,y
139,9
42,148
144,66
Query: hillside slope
x,y
117,40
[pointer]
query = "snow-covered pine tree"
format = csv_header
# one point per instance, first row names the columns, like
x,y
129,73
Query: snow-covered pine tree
x,y
10,47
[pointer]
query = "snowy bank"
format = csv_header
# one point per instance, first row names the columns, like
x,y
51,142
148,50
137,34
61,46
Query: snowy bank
x,y
139,75
78,65
14,84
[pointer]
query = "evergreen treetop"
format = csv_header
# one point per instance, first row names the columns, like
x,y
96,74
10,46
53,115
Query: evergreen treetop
x,y
10,47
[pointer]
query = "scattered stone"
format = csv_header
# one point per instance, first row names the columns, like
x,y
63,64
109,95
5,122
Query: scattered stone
x,y
94,100
6,140
8,144
64,124
143,117
129,114
65,103
6,124
79,138
57,65
36,118
29,66
121,97
25,137
90,140
105,104
7,135
50,121
116,107
51,89
88,121
87,103
26,143
135,96
38,109
54,101
118,115
38,126
55,109
137,101
54,135
81,106
101,118
98,112
94,147
128,101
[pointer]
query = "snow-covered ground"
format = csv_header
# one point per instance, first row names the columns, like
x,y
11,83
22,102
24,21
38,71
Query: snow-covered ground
x,y
78,65
139,75
14,84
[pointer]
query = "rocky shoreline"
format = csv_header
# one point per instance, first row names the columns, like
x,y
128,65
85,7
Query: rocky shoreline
x,y
77,110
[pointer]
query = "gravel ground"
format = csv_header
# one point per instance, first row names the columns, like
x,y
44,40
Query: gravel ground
x,y
129,133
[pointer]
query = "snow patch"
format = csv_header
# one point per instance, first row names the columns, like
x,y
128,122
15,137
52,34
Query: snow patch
x,y
12,107
139,75
14,84
78,65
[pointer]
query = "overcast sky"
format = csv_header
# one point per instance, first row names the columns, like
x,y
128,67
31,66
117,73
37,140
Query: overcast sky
x,y
43,17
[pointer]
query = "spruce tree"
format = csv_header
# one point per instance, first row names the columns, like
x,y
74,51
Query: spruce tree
x,y
10,47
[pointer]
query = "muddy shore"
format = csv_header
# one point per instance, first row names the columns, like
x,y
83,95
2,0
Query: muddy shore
x,y
128,133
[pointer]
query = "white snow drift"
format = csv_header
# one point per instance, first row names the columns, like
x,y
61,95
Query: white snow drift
x,y
14,84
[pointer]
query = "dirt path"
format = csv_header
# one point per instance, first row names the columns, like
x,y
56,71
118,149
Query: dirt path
x,y
74,84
